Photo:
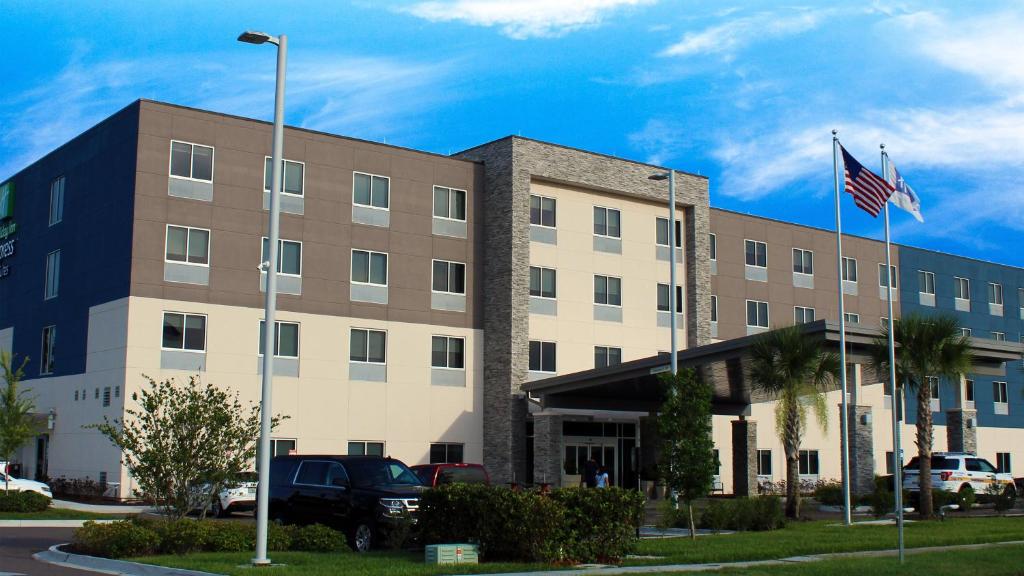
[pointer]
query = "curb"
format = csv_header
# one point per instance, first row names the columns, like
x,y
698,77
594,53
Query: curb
x,y
107,566
48,523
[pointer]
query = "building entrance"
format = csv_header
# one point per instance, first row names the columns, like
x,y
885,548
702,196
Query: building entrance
x,y
610,444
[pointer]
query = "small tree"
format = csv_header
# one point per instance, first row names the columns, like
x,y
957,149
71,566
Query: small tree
x,y
687,454
17,424
185,442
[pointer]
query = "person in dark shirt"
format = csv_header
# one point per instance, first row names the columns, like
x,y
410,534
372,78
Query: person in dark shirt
x,y
589,478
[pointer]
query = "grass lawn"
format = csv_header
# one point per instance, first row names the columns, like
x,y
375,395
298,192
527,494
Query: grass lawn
x,y
797,539
58,514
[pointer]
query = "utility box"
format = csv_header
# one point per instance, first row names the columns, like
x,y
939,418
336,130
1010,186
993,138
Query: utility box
x,y
452,554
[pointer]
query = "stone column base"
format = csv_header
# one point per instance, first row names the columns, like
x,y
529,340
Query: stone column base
x,y
744,457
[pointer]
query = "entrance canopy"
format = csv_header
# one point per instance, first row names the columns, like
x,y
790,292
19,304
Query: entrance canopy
x,y
634,385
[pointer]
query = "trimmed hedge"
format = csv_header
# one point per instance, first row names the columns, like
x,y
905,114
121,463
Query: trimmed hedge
x,y
23,501
569,525
142,537
744,514
829,493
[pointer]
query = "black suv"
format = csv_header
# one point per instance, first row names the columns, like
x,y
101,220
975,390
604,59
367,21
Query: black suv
x,y
365,496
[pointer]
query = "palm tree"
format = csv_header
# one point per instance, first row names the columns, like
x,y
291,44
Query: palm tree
x,y
925,346
794,370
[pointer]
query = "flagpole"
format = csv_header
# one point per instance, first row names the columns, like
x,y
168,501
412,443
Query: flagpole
x,y
843,416
897,457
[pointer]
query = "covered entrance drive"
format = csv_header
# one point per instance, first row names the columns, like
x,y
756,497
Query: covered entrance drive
x,y
569,402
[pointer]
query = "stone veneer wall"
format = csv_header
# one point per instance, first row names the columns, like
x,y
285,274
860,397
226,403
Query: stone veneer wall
x,y
959,436
509,166
862,454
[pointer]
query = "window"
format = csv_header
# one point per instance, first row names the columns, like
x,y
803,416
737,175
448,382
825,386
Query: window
x,y
606,222
803,261
542,282
969,390
281,447
56,200
1003,462
809,462
449,277
368,346
365,448
714,246
1020,301
187,245
999,336
933,387
542,356
294,176
117,391
289,256
191,161
757,253
718,462
999,393
607,356
449,203
106,396
802,315
52,275
663,304
184,332
369,267
607,290
888,462
883,282
757,314
286,345
851,318
448,352
542,211
995,294
375,191
49,345
965,332
849,269
926,282
962,288
764,462
76,395
446,453
661,232
714,308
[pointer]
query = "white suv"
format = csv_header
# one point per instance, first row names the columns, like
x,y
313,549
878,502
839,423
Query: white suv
x,y
955,471
21,484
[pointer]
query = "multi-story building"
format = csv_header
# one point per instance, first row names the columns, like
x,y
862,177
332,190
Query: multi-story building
x,y
423,298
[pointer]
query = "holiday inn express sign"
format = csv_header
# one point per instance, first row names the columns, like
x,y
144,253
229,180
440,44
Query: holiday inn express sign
x,y
7,227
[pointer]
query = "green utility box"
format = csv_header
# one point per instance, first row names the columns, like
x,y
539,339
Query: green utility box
x,y
452,554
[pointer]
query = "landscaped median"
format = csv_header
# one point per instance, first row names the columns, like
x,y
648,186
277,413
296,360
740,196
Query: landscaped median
x,y
20,508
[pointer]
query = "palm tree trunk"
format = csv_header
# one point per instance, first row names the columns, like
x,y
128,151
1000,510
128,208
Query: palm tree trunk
x,y
792,448
924,448
693,528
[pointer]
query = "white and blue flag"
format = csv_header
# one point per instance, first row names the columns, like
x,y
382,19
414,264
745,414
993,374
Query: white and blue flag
x,y
904,196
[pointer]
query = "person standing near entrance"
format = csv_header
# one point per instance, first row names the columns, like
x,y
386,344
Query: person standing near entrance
x,y
589,478
603,481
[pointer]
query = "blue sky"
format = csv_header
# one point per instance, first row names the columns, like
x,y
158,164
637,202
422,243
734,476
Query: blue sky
x,y
745,93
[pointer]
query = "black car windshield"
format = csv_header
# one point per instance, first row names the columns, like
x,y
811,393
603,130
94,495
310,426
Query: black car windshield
x,y
938,463
380,472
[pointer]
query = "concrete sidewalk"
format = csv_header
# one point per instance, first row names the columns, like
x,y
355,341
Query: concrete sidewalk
x,y
103,508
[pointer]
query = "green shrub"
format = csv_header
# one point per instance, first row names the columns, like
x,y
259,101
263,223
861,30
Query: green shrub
x,y
279,538
230,537
599,525
318,538
743,514
829,493
717,516
769,513
183,536
23,501
115,540
965,498
882,501
1004,500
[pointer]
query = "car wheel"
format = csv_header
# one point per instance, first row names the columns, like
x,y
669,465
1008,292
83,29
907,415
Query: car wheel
x,y
361,537
1010,492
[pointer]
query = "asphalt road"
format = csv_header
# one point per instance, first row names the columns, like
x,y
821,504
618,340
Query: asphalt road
x,y
17,545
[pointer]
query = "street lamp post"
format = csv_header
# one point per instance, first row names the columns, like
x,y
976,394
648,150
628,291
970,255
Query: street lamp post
x,y
270,308
672,304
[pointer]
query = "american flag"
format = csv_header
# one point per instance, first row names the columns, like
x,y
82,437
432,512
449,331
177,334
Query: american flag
x,y
870,192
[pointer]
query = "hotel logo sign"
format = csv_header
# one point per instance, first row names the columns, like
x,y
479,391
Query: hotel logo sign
x,y
6,201
7,227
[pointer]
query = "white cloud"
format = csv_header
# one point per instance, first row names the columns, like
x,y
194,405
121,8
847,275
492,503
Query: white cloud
x,y
521,19
728,38
659,140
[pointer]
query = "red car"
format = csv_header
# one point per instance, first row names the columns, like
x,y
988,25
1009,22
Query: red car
x,y
434,475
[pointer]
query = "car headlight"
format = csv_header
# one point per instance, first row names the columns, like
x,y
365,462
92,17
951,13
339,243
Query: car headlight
x,y
394,506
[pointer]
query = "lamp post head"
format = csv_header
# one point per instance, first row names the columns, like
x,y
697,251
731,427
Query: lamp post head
x,y
658,176
254,37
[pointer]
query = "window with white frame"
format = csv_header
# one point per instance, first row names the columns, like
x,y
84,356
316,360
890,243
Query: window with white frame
x,y
369,267
607,356
764,462
1003,465
542,356
1020,301
293,181
802,315
999,336
926,282
607,222
999,395
883,280
714,308
289,256
57,200
374,191
367,345
849,268
808,465
52,279
969,390
47,356
542,282
851,317
961,288
757,314
756,253
661,232
803,261
663,297
365,448
184,332
282,446
106,396
965,332
449,203
187,245
446,453
933,387
607,290
448,352
542,211
286,345
191,161
995,293
713,244
449,277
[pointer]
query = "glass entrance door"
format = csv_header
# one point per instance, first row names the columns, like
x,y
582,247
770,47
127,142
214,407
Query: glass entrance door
x,y
579,450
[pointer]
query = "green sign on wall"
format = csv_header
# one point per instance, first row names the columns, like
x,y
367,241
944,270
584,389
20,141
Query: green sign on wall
x,y
6,200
